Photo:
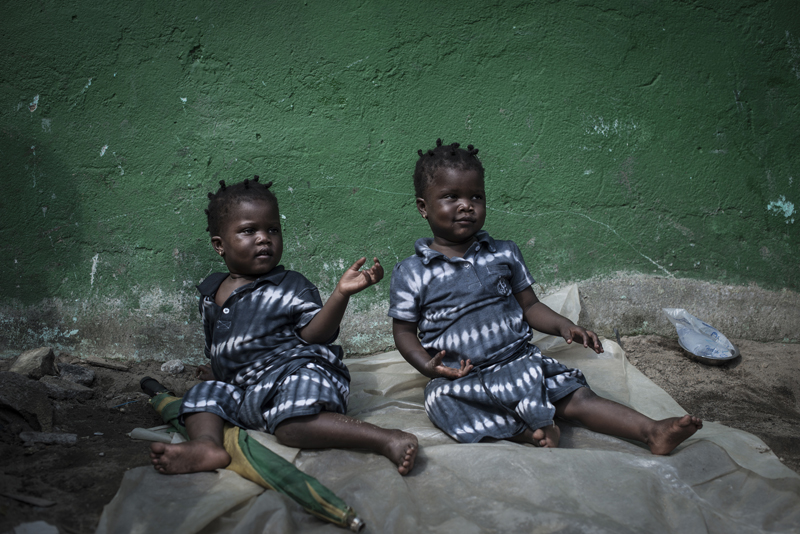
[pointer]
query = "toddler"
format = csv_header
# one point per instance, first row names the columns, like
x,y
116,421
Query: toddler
x,y
273,367
463,309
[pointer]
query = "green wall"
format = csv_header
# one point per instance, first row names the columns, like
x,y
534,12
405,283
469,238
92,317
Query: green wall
x,y
639,136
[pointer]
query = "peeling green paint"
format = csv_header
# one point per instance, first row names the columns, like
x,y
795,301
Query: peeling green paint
x,y
782,207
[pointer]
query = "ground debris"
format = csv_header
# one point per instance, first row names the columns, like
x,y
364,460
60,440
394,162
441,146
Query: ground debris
x,y
49,438
27,499
104,363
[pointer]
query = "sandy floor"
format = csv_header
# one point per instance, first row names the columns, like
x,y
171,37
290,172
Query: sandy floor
x,y
760,393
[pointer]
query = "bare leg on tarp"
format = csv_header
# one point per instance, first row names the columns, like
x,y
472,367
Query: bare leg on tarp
x,y
609,417
333,430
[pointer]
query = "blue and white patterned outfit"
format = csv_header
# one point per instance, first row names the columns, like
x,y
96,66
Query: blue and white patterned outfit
x,y
466,306
265,371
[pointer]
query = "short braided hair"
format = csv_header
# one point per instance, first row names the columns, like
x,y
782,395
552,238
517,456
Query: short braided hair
x,y
447,156
221,204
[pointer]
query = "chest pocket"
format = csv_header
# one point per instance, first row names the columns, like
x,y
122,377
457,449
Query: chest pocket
x,y
500,279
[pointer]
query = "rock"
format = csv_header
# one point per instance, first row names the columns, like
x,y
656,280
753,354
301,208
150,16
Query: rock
x,y
60,389
36,363
77,373
49,438
173,367
28,398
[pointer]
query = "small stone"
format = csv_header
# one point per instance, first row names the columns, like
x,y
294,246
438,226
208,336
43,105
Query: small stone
x,y
98,433
173,367
102,454
36,363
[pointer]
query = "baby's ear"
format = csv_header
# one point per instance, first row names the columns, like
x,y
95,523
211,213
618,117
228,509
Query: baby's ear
x,y
216,242
421,207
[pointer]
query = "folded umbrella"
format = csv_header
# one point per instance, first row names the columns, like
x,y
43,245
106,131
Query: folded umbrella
x,y
253,461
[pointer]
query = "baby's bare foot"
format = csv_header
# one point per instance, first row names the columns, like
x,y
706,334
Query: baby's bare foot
x,y
189,457
552,435
547,437
402,449
669,433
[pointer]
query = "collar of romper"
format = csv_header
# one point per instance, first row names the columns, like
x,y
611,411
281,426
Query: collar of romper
x,y
424,250
209,286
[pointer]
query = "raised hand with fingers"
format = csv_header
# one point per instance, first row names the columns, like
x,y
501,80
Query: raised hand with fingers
x,y
354,279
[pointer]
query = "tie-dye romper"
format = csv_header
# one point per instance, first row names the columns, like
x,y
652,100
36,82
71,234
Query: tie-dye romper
x,y
265,372
466,306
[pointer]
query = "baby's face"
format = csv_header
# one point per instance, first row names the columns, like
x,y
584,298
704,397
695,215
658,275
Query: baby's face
x,y
454,203
251,242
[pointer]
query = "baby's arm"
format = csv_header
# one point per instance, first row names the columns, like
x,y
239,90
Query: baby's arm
x,y
324,324
407,342
545,320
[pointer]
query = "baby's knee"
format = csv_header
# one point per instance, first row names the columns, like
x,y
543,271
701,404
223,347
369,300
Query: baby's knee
x,y
583,393
567,406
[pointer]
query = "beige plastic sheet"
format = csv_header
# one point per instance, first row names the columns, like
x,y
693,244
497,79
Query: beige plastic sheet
x,y
720,481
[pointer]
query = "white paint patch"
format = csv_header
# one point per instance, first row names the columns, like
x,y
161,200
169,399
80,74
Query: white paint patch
x,y
35,104
794,50
356,62
44,211
85,87
599,126
47,125
94,267
782,207
103,150
183,99
588,171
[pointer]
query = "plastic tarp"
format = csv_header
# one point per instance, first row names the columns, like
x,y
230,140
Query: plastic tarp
x,y
721,480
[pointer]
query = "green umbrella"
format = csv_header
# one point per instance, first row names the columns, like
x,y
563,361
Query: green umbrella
x,y
253,461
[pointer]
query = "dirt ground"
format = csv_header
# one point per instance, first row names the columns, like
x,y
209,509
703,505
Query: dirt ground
x,y
758,393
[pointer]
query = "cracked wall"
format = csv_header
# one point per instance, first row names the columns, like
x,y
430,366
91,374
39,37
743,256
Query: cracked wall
x,y
652,138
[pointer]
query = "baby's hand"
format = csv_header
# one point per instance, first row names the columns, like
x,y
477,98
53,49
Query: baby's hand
x,y
204,372
354,280
435,368
581,335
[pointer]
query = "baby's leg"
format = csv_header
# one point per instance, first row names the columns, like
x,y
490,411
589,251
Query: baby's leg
x,y
333,430
203,452
609,417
